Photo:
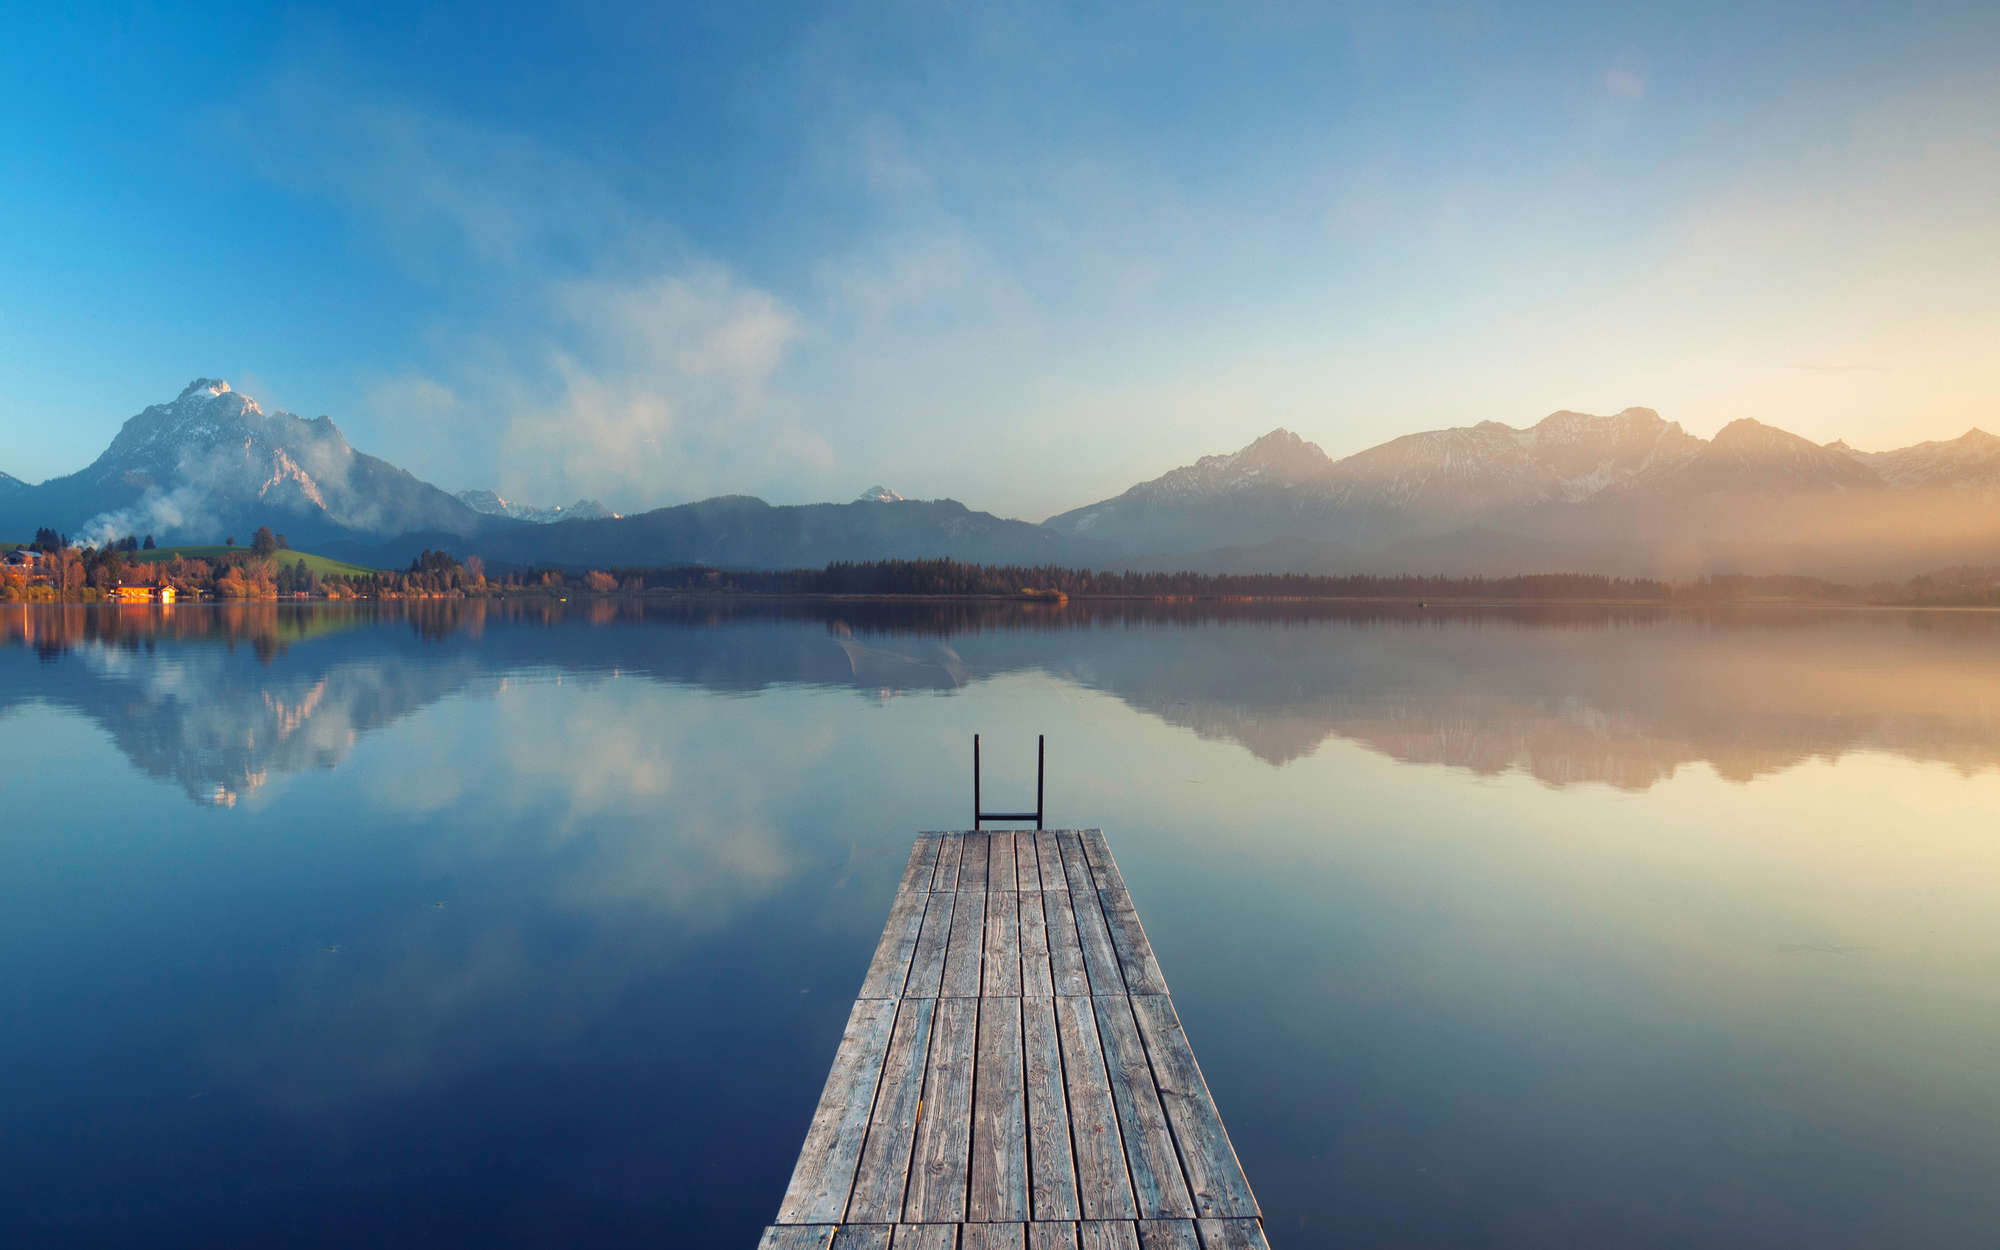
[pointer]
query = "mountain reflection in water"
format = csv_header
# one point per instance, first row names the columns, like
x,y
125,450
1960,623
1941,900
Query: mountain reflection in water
x,y
1567,694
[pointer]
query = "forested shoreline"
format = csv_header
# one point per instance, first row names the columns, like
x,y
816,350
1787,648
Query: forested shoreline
x,y
268,569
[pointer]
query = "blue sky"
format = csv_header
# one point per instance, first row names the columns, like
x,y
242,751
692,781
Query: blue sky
x,y
1018,256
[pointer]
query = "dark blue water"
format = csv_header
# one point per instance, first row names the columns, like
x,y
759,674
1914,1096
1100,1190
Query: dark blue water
x,y
500,926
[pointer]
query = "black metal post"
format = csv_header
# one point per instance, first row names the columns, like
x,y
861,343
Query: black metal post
x,y
1041,753
975,781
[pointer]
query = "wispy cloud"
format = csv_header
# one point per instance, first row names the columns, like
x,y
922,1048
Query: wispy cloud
x,y
612,359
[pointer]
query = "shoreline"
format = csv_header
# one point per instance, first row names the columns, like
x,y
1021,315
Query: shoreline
x,y
1042,604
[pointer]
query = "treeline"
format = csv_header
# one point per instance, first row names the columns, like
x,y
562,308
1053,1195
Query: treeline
x,y
268,570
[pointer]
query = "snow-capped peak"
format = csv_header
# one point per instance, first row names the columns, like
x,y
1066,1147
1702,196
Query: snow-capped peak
x,y
879,494
204,388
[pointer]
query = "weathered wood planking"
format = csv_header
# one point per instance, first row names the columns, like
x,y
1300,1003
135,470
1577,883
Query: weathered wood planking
x,y
1100,958
1168,1235
1103,1181
824,1175
1013,1073
1000,862
1103,869
1107,1235
891,965
943,1155
1215,1177
1076,869
797,1237
1049,858
1052,1236
1128,940
1231,1235
972,863
918,872
949,852
1051,1168
963,954
892,1123
999,1117
994,1237
1036,976
1002,975
1149,1147
926,977
1065,951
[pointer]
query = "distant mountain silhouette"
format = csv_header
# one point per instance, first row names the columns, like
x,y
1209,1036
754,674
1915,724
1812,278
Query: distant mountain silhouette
x,y
212,462
1627,494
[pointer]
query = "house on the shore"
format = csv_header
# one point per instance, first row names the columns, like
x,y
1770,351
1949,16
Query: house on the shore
x,y
142,594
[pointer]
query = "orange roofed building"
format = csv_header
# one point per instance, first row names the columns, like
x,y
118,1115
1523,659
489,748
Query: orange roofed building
x,y
142,594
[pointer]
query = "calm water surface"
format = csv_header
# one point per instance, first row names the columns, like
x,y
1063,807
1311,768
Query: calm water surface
x,y
497,926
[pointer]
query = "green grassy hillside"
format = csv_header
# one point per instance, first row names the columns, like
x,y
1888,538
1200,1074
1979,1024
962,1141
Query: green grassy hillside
x,y
318,564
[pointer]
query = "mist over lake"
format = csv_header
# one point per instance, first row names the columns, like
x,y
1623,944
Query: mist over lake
x,y
532,923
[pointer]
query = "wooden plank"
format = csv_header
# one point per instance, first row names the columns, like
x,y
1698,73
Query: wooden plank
x,y
927,963
892,1123
1214,1175
944,1129
824,1173
1100,958
1076,869
1103,1183
925,1237
1128,938
972,861
862,1237
891,965
993,1237
796,1237
1103,869
1000,862
1107,1235
1065,950
1167,1235
923,863
949,849
1027,867
1048,856
1001,977
1231,1235
1051,1170
1149,1148
1036,978
999,1117
1051,1236
963,952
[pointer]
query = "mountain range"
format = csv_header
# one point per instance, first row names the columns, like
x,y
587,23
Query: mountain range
x,y
1630,494
491,504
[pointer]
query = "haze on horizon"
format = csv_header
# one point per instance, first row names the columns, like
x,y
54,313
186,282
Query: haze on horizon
x,y
1019,258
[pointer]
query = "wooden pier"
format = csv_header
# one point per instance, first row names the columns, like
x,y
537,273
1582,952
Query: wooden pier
x,y
1013,1074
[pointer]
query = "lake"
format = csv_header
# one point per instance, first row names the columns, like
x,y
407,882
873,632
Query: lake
x,y
537,924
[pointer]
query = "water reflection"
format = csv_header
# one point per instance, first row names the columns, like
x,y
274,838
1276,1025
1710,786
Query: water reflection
x,y
1566,694
543,919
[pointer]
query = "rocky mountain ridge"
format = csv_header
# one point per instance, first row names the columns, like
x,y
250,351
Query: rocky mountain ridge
x,y
1628,493
489,503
